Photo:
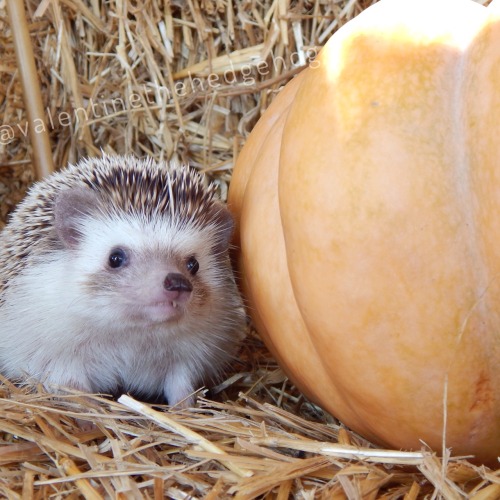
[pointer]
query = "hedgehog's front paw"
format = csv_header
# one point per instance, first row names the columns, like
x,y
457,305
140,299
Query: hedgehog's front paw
x,y
65,385
179,390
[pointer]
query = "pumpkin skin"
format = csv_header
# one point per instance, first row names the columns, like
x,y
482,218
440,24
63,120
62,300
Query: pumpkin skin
x,y
368,205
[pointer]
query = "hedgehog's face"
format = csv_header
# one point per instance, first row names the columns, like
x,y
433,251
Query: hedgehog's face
x,y
141,272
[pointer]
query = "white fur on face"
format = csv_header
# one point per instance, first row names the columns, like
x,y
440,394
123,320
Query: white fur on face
x,y
153,251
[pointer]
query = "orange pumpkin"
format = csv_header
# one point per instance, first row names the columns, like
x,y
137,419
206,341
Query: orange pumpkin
x,y
368,205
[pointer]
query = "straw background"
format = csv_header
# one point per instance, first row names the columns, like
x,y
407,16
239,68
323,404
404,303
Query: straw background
x,y
179,79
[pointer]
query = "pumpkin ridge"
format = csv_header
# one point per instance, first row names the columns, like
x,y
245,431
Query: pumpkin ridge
x,y
465,188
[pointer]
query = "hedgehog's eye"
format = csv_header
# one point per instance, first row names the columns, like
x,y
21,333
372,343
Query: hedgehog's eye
x,y
117,258
192,265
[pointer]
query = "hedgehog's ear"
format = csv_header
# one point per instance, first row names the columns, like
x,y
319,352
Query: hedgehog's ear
x,y
225,225
70,207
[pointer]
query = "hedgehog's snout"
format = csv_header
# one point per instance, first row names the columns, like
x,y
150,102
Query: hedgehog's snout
x,y
177,287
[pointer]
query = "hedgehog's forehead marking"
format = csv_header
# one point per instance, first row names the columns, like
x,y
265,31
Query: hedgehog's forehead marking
x,y
151,189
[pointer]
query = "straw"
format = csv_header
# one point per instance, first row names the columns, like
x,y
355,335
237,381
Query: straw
x,y
41,148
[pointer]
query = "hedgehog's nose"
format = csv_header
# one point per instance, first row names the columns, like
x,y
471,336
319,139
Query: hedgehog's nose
x,y
175,282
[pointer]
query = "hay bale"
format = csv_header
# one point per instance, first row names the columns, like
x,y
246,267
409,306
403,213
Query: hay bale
x,y
185,80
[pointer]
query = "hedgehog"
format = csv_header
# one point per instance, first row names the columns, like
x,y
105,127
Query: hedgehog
x,y
115,277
